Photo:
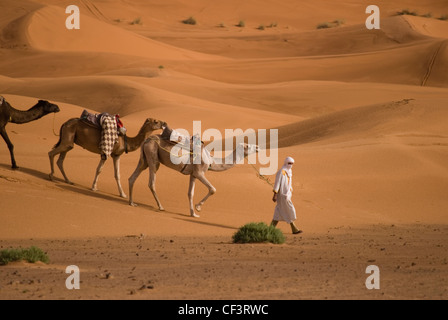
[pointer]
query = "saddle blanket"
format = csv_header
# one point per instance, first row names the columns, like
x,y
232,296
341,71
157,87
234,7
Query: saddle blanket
x,y
110,126
109,134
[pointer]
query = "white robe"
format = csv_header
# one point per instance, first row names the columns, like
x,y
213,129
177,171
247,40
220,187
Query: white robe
x,y
284,210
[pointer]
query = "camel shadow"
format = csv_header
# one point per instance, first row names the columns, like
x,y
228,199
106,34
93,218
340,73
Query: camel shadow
x,y
28,171
154,209
151,208
88,192
60,183
184,217
204,223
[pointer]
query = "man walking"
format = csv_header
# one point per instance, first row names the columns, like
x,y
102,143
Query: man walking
x,y
284,210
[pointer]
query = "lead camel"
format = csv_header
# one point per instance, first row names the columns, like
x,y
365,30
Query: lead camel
x,y
10,114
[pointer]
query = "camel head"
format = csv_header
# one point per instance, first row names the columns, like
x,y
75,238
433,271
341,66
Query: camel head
x,y
154,124
48,107
248,148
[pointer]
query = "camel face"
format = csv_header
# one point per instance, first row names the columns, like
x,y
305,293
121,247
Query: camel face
x,y
250,148
49,107
155,124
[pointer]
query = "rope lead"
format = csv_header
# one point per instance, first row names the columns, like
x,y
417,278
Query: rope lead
x,y
262,177
54,118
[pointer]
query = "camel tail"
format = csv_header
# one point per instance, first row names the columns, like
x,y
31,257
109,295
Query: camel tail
x,y
68,122
142,152
60,138
143,158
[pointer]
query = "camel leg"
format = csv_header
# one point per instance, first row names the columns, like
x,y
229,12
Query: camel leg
x,y
51,157
60,164
141,166
191,195
152,187
211,191
65,144
10,147
97,174
149,155
117,175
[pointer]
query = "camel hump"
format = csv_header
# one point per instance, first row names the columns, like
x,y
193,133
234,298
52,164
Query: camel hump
x,y
91,119
96,120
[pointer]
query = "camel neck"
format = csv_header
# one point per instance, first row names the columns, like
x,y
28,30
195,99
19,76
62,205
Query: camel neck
x,y
229,162
19,116
135,142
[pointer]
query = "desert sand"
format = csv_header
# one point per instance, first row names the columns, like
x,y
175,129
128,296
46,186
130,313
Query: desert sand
x,y
363,113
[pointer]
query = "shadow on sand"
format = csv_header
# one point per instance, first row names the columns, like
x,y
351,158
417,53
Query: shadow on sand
x,y
184,217
31,172
60,183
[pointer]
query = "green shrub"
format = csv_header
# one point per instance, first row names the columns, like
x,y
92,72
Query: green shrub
x,y
405,12
324,25
31,254
241,24
444,17
338,22
190,20
258,233
137,21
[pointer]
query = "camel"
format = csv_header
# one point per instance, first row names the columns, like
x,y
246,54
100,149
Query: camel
x,y
156,151
77,131
9,114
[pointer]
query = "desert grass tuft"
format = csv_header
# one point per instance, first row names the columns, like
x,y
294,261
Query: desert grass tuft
x,y
241,24
326,25
407,12
137,21
192,21
32,255
258,233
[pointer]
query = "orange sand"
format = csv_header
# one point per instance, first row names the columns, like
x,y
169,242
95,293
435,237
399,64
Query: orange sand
x,y
362,112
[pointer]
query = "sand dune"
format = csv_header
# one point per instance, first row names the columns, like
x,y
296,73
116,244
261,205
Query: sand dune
x,y
407,65
40,30
373,120
363,112
395,31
